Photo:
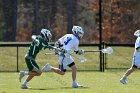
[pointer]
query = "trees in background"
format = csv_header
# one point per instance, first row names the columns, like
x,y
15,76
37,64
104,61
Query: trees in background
x,y
120,19
9,8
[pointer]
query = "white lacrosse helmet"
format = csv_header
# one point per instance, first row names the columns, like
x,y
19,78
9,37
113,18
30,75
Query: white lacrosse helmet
x,y
137,33
78,31
46,34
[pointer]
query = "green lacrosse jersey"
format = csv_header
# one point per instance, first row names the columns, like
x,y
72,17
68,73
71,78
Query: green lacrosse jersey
x,y
36,47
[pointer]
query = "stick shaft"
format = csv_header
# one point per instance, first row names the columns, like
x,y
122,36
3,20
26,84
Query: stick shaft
x,y
93,51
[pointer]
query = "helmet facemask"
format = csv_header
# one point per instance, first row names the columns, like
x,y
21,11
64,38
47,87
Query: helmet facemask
x,y
80,35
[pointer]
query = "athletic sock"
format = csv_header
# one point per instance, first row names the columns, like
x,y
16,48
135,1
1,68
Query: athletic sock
x,y
26,73
25,82
124,77
74,81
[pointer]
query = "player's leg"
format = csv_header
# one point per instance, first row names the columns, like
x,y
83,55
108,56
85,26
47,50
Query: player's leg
x,y
129,71
74,71
123,80
62,67
33,71
59,70
135,64
22,74
30,76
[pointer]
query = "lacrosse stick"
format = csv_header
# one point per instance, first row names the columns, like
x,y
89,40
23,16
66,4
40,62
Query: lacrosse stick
x,y
49,53
108,50
82,60
79,59
70,53
137,33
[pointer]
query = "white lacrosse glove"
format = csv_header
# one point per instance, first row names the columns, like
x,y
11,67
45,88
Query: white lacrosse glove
x,y
81,52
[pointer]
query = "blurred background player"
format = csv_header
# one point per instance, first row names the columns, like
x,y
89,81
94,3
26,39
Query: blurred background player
x,y
68,44
136,59
40,42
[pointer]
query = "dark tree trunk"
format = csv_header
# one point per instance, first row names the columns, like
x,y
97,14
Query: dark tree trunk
x,y
35,21
10,18
70,5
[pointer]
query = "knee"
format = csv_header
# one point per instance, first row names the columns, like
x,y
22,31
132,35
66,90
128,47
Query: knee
x,y
74,68
39,73
133,68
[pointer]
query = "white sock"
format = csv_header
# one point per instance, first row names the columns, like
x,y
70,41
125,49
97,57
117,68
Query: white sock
x,y
124,76
74,81
25,82
26,72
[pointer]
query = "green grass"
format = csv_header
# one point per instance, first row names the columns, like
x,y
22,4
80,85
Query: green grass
x,y
94,82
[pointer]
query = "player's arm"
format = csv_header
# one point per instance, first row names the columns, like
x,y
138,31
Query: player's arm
x,y
35,40
77,51
138,44
138,49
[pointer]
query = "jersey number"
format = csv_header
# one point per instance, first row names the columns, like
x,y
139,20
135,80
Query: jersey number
x,y
67,41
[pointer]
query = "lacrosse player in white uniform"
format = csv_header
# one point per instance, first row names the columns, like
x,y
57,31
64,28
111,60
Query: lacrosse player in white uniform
x,y
68,44
135,61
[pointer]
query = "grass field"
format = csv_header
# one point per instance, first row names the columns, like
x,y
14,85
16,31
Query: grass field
x,y
94,82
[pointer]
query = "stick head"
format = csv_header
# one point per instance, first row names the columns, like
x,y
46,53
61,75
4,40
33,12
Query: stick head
x,y
108,50
82,60
137,33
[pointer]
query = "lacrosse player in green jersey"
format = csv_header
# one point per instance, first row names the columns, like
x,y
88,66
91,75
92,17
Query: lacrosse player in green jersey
x,y
40,42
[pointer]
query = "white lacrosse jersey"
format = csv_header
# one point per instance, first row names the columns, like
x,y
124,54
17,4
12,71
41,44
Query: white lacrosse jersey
x,y
136,56
70,42
137,44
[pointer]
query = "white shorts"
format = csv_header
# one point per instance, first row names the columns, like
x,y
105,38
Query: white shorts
x,y
136,61
64,61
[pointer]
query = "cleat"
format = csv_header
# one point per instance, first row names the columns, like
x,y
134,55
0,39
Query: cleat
x,y
24,86
21,75
76,85
47,67
123,81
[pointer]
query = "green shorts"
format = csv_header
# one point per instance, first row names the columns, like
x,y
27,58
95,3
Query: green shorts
x,y
31,64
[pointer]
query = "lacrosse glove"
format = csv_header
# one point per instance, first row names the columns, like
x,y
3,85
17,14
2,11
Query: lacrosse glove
x,y
81,52
63,51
